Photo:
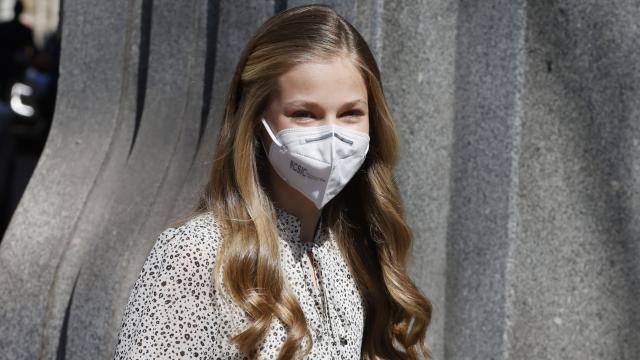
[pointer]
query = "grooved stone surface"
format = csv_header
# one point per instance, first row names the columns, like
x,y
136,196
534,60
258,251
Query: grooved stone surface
x,y
519,168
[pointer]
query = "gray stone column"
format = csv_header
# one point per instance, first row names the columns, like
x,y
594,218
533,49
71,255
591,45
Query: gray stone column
x,y
520,167
574,283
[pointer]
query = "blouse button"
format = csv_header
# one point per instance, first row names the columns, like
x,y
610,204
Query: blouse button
x,y
343,341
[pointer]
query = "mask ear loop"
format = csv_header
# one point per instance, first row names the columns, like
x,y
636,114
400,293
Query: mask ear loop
x,y
273,137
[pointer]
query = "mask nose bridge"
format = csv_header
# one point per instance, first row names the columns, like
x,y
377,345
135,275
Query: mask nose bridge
x,y
317,138
343,139
333,133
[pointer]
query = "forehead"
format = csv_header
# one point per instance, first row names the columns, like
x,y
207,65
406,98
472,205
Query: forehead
x,y
336,79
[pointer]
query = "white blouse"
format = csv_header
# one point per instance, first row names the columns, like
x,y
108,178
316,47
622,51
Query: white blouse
x,y
175,312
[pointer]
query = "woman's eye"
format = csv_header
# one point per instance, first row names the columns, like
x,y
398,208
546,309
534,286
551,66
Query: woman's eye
x,y
353,113
302,114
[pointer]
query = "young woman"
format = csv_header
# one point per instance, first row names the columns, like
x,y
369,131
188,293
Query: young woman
x,y
299,244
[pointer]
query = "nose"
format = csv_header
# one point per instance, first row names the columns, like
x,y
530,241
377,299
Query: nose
x,y
331,119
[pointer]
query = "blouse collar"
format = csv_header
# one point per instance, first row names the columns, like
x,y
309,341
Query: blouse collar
x,y
289,226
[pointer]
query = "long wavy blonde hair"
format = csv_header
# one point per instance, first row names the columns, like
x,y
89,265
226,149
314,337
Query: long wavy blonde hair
x,y
366,217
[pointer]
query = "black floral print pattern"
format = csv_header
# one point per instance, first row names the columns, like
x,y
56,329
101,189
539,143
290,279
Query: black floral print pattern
x,y
175,312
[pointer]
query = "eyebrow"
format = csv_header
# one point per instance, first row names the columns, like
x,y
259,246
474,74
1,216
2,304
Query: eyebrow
x,y
311,103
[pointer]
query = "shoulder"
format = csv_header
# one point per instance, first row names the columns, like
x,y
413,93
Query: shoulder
x,y
199,225
185,247
172,298
201,232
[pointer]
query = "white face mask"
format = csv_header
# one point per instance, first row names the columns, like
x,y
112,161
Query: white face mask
x,y
317,161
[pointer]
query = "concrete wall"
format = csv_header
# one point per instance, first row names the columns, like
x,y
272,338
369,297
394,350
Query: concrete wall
x,y
520,167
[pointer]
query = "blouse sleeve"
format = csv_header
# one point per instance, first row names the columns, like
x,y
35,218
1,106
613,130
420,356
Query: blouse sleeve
x,y
171,311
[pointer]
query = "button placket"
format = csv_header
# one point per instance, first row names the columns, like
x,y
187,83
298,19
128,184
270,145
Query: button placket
x,y
289,226
338,339
314,293
320,293
321,297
